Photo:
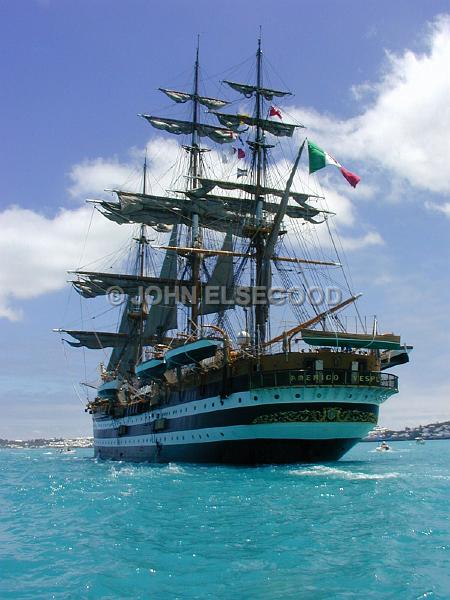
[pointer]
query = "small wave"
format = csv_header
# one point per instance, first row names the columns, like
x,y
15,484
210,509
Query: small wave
x,y
115,472
321,471
174,468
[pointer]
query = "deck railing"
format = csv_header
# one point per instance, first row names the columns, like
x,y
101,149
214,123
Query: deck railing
x,y
324,377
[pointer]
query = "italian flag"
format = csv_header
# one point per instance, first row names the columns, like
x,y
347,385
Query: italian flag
x,y
318,159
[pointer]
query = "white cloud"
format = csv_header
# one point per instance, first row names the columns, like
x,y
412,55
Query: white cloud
x,y
369,239
442,208
37,251
404,128
94,176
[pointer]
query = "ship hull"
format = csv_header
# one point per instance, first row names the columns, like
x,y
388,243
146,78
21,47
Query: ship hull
x,y
264,426
242,452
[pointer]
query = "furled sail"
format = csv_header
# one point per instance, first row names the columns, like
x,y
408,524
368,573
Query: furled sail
x,y
96,340
206,185
214,203
222,281
182,97
99,340
247,206
219,135
216,212
163,316
93,284
214,215
249,90
234,122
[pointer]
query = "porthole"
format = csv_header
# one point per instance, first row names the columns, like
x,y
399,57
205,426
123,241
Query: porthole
x,y
221,434
207,435
255,397
276,396
195,408
350,395
297,395
204,406
319,395
240,400
212,404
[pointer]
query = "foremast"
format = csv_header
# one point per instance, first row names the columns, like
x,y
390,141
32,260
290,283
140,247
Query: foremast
x,y
142,246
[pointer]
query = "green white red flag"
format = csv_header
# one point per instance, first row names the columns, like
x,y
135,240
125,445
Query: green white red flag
x,y
318,159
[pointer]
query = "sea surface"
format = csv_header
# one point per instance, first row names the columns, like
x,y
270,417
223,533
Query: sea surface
x,y
373,525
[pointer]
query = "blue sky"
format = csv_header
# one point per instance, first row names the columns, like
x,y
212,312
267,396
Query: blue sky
x,y
371,83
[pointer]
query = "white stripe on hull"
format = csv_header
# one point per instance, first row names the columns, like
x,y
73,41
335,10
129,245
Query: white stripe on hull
x,y
286,395
300,431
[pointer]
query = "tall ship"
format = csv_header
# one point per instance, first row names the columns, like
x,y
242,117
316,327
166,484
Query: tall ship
x,y
238,338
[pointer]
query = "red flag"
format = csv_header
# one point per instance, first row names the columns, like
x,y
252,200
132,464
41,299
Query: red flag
x,y
275,112
352,178
241,153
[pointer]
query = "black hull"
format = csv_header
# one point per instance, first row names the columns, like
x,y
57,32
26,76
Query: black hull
x,y
241,452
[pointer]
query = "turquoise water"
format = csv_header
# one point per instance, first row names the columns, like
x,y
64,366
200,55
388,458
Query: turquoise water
x,y
372,525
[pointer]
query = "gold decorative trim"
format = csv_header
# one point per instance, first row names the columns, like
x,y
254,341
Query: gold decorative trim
x,y
320,415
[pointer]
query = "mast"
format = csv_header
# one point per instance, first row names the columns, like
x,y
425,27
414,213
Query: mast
x,y
142,241
194,172
259,333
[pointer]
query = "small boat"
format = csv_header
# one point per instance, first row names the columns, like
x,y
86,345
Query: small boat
x,y
420,440
191,353
67,450
151,369
108,389
383,447
336,339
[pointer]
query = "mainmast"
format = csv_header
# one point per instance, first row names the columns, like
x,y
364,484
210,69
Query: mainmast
x,y
194,172
261,310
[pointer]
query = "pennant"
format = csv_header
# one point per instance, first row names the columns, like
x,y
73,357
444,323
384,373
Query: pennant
x,y
318,159
240,153
275,112
242,172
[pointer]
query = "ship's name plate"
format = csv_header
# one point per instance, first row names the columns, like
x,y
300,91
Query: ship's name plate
x,y
333,378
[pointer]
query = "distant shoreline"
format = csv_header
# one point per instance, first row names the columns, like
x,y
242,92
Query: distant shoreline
x,y
432,431
56,443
